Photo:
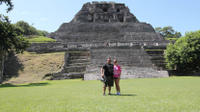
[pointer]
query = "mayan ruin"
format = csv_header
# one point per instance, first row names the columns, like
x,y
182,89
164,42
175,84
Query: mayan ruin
x,y
99,56
107,29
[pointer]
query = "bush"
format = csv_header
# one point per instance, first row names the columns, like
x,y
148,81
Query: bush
x,y
184,55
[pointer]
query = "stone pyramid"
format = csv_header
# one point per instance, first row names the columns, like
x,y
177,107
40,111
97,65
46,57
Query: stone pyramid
x,y
105,22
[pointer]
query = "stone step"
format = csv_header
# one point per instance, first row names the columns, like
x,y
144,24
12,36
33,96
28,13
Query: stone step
x,y
155,52
159,64
79,54
78,64
78,57
158,61
155,47
78,61
62,76
153,55
138,64
157,58
74,69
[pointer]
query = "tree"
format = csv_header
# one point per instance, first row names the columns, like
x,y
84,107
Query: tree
x,y
168,32
8,3
28,30
42,33
184,55
10,38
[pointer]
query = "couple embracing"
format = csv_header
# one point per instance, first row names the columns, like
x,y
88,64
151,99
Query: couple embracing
x,y
111,73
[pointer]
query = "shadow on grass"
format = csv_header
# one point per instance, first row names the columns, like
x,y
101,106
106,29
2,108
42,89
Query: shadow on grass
x,y
123,95
26,85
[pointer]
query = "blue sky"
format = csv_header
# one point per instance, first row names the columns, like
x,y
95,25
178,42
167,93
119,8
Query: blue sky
x,y
182,15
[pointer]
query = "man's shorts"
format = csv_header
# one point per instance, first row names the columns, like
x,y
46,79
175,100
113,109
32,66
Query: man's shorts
x,y
108,81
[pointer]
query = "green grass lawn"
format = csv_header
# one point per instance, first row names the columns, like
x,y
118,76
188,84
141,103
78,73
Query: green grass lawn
x,y
40,39
175,94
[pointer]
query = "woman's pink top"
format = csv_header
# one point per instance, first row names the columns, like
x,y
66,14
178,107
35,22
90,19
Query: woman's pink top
x,y
117,71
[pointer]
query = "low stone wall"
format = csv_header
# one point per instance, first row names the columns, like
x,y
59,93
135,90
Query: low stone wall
x,y
129,56
128,72
59,46
135,62
115,43
46,47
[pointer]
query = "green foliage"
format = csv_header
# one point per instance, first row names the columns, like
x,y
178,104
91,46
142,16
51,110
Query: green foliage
x,y
28,30
175,94
42,33
10,37
184,55
8,3
168,32
172,39
40,39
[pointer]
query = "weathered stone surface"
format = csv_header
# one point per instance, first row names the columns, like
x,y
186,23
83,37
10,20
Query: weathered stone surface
x,y
104,12
74,66
46,47
110,29
61,76
135,62
130,72
98,32
105,22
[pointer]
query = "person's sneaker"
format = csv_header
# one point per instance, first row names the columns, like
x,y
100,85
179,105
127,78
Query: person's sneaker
x,y
118,93
104,94
109,93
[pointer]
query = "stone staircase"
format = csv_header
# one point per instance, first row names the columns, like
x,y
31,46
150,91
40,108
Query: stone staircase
x,y
157,57
75,65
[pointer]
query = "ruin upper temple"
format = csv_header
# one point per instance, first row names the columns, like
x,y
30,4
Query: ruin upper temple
x,y
107,29
105,22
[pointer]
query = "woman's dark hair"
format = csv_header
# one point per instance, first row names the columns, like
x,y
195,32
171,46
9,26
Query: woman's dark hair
x,y
115,60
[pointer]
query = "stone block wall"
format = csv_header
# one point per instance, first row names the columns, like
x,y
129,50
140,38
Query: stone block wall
x,y
92,32
134,61
74,66
46,47
126,55
104,12
156,54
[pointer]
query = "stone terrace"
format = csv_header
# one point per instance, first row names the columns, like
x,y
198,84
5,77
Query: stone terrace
x,y
105,29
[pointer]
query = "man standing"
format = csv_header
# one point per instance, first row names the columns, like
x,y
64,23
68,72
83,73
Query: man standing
x,y
107,74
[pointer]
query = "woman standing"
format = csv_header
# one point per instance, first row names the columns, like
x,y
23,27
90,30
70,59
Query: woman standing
x,y
117,74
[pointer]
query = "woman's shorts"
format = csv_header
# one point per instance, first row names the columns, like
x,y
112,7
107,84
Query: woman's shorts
x,y
116,77
108,81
